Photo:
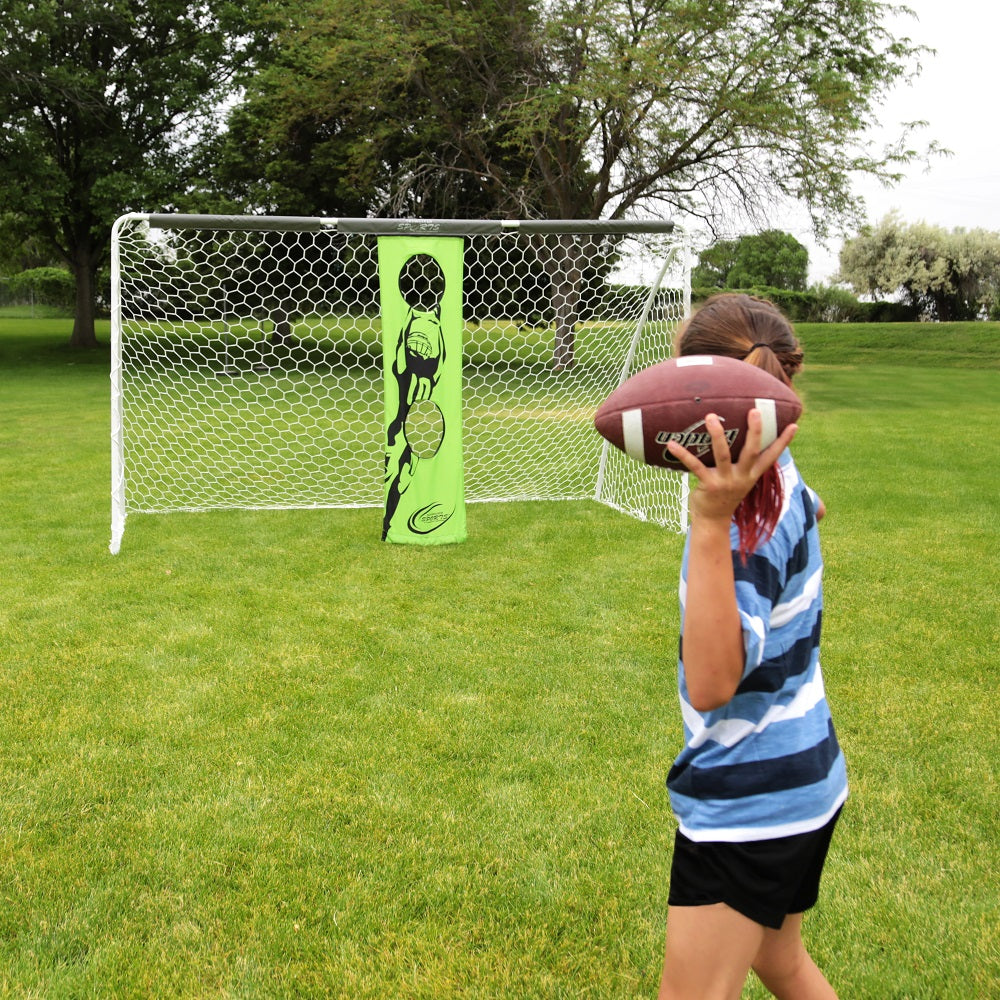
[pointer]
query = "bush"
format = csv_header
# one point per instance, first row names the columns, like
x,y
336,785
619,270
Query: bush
x,y
822,304
51,286
799,307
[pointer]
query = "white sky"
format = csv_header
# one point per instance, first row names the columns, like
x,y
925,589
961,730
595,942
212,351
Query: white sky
x,y
957,93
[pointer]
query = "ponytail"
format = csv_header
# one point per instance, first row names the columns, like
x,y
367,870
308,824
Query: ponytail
x,y
759,511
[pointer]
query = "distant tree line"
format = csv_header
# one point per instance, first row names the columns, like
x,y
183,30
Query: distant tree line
x,y
902,272
50,286
529,108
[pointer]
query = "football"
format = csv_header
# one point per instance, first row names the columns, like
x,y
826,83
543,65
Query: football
x,y
670,400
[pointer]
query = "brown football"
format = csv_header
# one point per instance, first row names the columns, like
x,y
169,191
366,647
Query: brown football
x,y
670,400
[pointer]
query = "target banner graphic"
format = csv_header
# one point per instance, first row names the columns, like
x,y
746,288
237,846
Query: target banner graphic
x,y
420,287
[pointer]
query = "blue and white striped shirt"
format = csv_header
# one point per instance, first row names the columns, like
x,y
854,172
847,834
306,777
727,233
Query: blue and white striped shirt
x,y
767,764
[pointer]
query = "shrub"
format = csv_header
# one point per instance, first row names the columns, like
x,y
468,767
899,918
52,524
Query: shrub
x,y
45,285
823,304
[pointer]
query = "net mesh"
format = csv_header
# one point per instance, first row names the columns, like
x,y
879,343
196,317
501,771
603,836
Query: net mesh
x,y
248,366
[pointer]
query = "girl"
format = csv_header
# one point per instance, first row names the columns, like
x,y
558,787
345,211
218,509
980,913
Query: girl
x,y
760,782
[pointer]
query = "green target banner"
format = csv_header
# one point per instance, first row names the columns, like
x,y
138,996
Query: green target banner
x,y
420,284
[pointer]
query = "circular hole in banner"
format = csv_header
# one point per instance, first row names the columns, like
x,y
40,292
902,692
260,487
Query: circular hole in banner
x,y
421,282
424,428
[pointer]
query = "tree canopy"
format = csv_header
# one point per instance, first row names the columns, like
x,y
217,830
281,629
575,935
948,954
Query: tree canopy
x,y
770,259
946,274
579,109
95,96
569,108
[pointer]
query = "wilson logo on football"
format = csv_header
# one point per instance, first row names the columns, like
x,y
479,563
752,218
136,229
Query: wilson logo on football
x,y
695,438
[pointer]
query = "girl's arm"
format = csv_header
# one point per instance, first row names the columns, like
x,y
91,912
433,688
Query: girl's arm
x,y
712,644
713,636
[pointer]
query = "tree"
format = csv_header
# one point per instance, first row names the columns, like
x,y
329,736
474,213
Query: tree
x,y
947,275
770,259
773,259
714,264
97,98
20,249
572,108
580,108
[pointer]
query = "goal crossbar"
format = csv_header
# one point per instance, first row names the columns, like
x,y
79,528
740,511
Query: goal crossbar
x,y
400,227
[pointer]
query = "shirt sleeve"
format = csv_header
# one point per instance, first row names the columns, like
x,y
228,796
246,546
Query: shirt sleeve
x,y
758,589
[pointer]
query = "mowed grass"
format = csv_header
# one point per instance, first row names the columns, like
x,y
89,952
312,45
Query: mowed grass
x,y
266,755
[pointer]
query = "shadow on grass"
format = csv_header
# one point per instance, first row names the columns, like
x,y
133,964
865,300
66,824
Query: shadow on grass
x,y
44,343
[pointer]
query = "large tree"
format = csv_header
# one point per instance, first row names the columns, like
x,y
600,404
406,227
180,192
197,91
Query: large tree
x,y
20,249
576,108
97,98
579,109
947,275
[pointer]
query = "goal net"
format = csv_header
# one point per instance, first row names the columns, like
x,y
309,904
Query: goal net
x,y
247,360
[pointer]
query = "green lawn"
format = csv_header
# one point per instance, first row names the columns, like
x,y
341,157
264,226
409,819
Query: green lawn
x,y
265,755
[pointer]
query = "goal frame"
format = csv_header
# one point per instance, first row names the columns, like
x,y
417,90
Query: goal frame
x,y
374,227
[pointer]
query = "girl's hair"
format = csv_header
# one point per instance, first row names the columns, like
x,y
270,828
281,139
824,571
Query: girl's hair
x,y
752,330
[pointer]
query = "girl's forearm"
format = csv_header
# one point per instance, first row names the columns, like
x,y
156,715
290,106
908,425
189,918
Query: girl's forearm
x,y
713,639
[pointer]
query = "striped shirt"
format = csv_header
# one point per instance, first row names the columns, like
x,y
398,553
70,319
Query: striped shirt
x,y
767,764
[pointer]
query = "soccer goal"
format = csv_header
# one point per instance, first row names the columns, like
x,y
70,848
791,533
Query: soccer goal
x,y
251,359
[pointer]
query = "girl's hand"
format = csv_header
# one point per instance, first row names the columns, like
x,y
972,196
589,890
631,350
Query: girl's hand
x,y
720,489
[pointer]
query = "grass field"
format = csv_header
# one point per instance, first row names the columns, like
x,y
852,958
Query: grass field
x,y
264,755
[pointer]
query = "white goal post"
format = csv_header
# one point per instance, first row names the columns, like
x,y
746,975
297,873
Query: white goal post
x,y
247,360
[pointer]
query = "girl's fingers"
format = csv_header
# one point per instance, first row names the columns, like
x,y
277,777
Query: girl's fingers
x,y
752,461
720,446
752,457
772,453
751,447
692,464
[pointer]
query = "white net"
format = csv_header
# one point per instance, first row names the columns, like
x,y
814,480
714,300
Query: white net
x,y
247,362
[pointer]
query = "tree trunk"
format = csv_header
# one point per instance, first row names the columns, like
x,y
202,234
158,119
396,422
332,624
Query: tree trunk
x,y
282,333
566,301
943,306
83,319
563,259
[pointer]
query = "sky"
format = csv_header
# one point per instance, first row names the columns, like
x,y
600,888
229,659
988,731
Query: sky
x,y
956,92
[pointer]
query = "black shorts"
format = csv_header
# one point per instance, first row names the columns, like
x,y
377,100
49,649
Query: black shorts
x,y
764,880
